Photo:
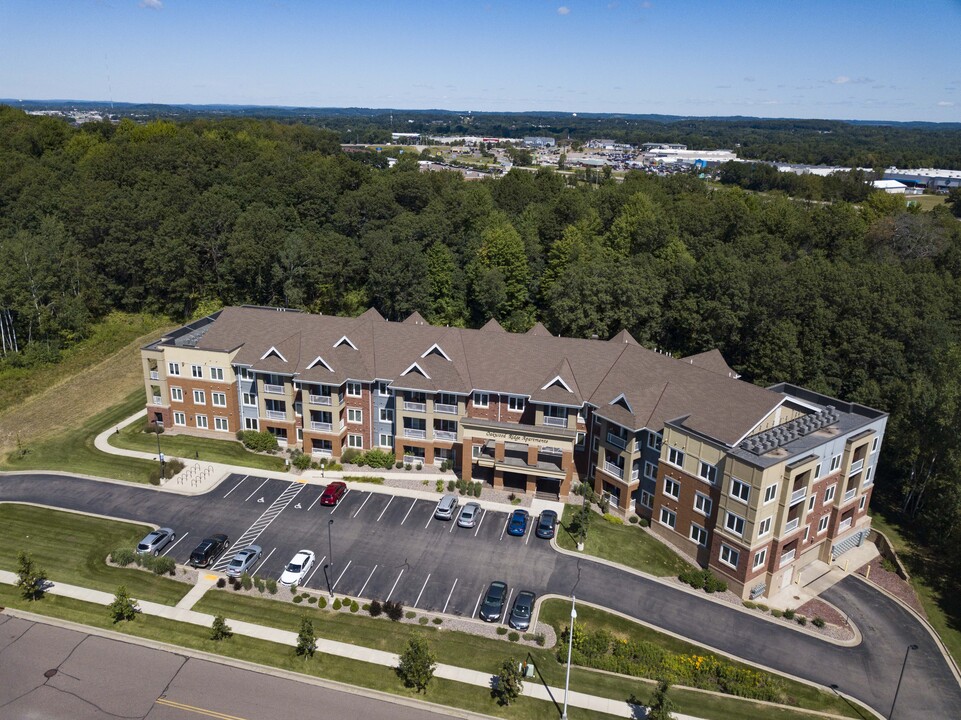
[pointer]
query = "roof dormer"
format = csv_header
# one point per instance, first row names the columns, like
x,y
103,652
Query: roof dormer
x,y
558,381
414,367
437,350
345,341
319,361
273,352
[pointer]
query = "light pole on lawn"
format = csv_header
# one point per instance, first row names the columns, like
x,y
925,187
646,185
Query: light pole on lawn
x,y
570,645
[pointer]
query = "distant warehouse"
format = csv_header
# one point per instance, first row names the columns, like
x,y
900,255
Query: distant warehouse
x,y
928,178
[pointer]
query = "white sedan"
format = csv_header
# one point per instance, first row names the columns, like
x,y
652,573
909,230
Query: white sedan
x,y
299,565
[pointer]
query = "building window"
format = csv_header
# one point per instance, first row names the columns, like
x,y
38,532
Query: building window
x,y
355,441
861,504
197,371
702,503
708,472
650,470
654,441
251,424
760,557
173,368
218,399
200,398
480,400
734,523
386,440
770,492
668,518
475,451
740,490
246,373
835,463
699,535
807,532
817,471
672,488
202,421
382,389
176,394
823,523
875,444
386,415
515,403
675,456
250,400
647,500
579,443
764,527
811,502
300,434
729,556
220,423
353,389
216,373
829,494
355,415
180,418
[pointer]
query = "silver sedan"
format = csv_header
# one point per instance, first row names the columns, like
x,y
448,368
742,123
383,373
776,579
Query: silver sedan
x,y
244,560
156,541
468,515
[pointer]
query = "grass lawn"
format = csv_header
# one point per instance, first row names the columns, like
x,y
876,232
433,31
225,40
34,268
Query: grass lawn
x,y
625,544
937,586
73,548
230,452
72,450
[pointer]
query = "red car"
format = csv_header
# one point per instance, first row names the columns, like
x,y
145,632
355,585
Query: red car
x,y
332,493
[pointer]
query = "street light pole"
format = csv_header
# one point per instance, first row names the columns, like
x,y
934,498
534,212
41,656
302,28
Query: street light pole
x,y
570,645
900,678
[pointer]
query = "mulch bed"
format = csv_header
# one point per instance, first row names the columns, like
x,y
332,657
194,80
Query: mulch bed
x,y
893,583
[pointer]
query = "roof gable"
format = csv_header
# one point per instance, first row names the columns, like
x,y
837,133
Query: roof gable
x,y
414,367
321,362
345,341
622,401
437,350
493,326
273,352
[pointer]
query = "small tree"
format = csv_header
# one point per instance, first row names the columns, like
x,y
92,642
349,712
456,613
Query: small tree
x,y
661,707
220,630
30,579
306,639
123,607
417,664
510,682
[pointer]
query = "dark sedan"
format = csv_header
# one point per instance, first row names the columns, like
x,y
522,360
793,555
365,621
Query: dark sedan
x,y
494,600
546,525
209,549
520,617
517,525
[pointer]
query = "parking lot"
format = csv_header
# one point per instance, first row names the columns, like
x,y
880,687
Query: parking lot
x,y
380,546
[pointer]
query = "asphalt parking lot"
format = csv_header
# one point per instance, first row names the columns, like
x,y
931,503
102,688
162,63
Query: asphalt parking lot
x,y
380,546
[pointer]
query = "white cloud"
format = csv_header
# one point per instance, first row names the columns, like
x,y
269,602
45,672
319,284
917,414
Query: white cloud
x,y
841,80
945,103
152,4
563,10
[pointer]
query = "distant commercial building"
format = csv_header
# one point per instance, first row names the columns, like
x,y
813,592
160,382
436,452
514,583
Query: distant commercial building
x,y
540,142
893,187
652,146
931,179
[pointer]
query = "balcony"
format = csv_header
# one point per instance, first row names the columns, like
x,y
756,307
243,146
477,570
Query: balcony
x,y
276,415
635,474
849,495
798,495
320,400
555,421
446,409
415,433
321,452
856,467
787,557
845,524
792,525
413,460
415,406
616,440
612,469
444,435
322,426
274,389
154,375
157,400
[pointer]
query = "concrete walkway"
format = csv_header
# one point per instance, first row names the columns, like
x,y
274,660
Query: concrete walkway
x,y
182,613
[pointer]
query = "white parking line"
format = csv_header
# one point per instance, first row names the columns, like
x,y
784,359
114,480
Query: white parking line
x,y
361,505
530,532
316,500
477,605
261,563
507,605
453,524
508,522
408,511
483,515
428,520
395,585
341,574
316,568
449,595
361,593
343,497
258,488
421,590
171,547
237,485
389,501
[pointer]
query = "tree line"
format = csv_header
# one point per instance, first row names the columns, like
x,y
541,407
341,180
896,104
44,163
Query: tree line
x,y
860,301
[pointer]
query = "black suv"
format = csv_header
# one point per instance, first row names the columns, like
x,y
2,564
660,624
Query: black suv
x,y
209,550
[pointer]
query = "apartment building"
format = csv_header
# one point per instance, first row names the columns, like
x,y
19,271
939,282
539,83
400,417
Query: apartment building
x,y
753,482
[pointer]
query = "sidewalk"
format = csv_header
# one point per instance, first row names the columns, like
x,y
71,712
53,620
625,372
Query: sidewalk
x,y
183,613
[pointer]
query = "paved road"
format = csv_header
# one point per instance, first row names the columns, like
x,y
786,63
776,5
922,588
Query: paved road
x,y
96,678
388,546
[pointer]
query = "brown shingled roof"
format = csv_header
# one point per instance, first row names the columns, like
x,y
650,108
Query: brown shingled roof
x,y
711,360
539,329
493,325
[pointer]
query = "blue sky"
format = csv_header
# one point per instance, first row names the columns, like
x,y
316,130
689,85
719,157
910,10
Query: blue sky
x,y
879,60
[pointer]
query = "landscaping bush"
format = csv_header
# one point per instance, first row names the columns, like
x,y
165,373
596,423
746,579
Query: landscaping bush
x,y
501,630
450,485
399,464
335,467
419,467
776,613
152,427
439,485
634,519
818,622
311,599
513,636
477,488
375,608
160,565
762,607
271,586
613,519
437,621
365,607
350,456
422,620
789,614
246,581
123,556
354,607
714,584
393,610
322,603
261,585
221,583
410,614
643,522
236,585
337,604
261,441
749,605
301,461
293,589
408,466
298,599
801,620
378,458
346,601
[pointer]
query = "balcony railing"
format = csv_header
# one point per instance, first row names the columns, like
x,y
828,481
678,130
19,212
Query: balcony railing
x,y
635,474
446,409
849,495
415,406
612,469
555,421
788,557
856,466
322,426
445,435
321,452
617,440
845,524
798,495
320,399
276,415
413,460
792,525
415,433
157,400
274,389
154,375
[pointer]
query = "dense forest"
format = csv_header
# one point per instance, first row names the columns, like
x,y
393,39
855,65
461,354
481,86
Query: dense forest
x,y
860,301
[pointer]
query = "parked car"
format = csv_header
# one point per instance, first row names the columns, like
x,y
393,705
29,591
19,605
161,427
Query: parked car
x,y
468,515
546,525
156,541
494,600
332,493
209,549
244,560
298,567
517,525
520,617
446,507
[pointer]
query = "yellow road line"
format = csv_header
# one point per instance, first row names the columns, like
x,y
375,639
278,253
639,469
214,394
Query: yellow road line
x,y
198,710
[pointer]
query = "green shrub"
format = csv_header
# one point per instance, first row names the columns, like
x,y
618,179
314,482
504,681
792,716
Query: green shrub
x,y
714,584
818,622
450,485
346,601
438,621
298,599
789,614
419,467
410,614
271,586
643,522
246,581
350,456
776,613
634,519
301,461
749,605
322,603
293,589
261,585
540,639
337,604
399,464
160,565
478,486
365,607
354,607
613,519
123,557
422,620
221,583
311,599
762,607
801,620
378,458
375,608
439,486
393,610
261,441
408,466
334,467
513,636
501,630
